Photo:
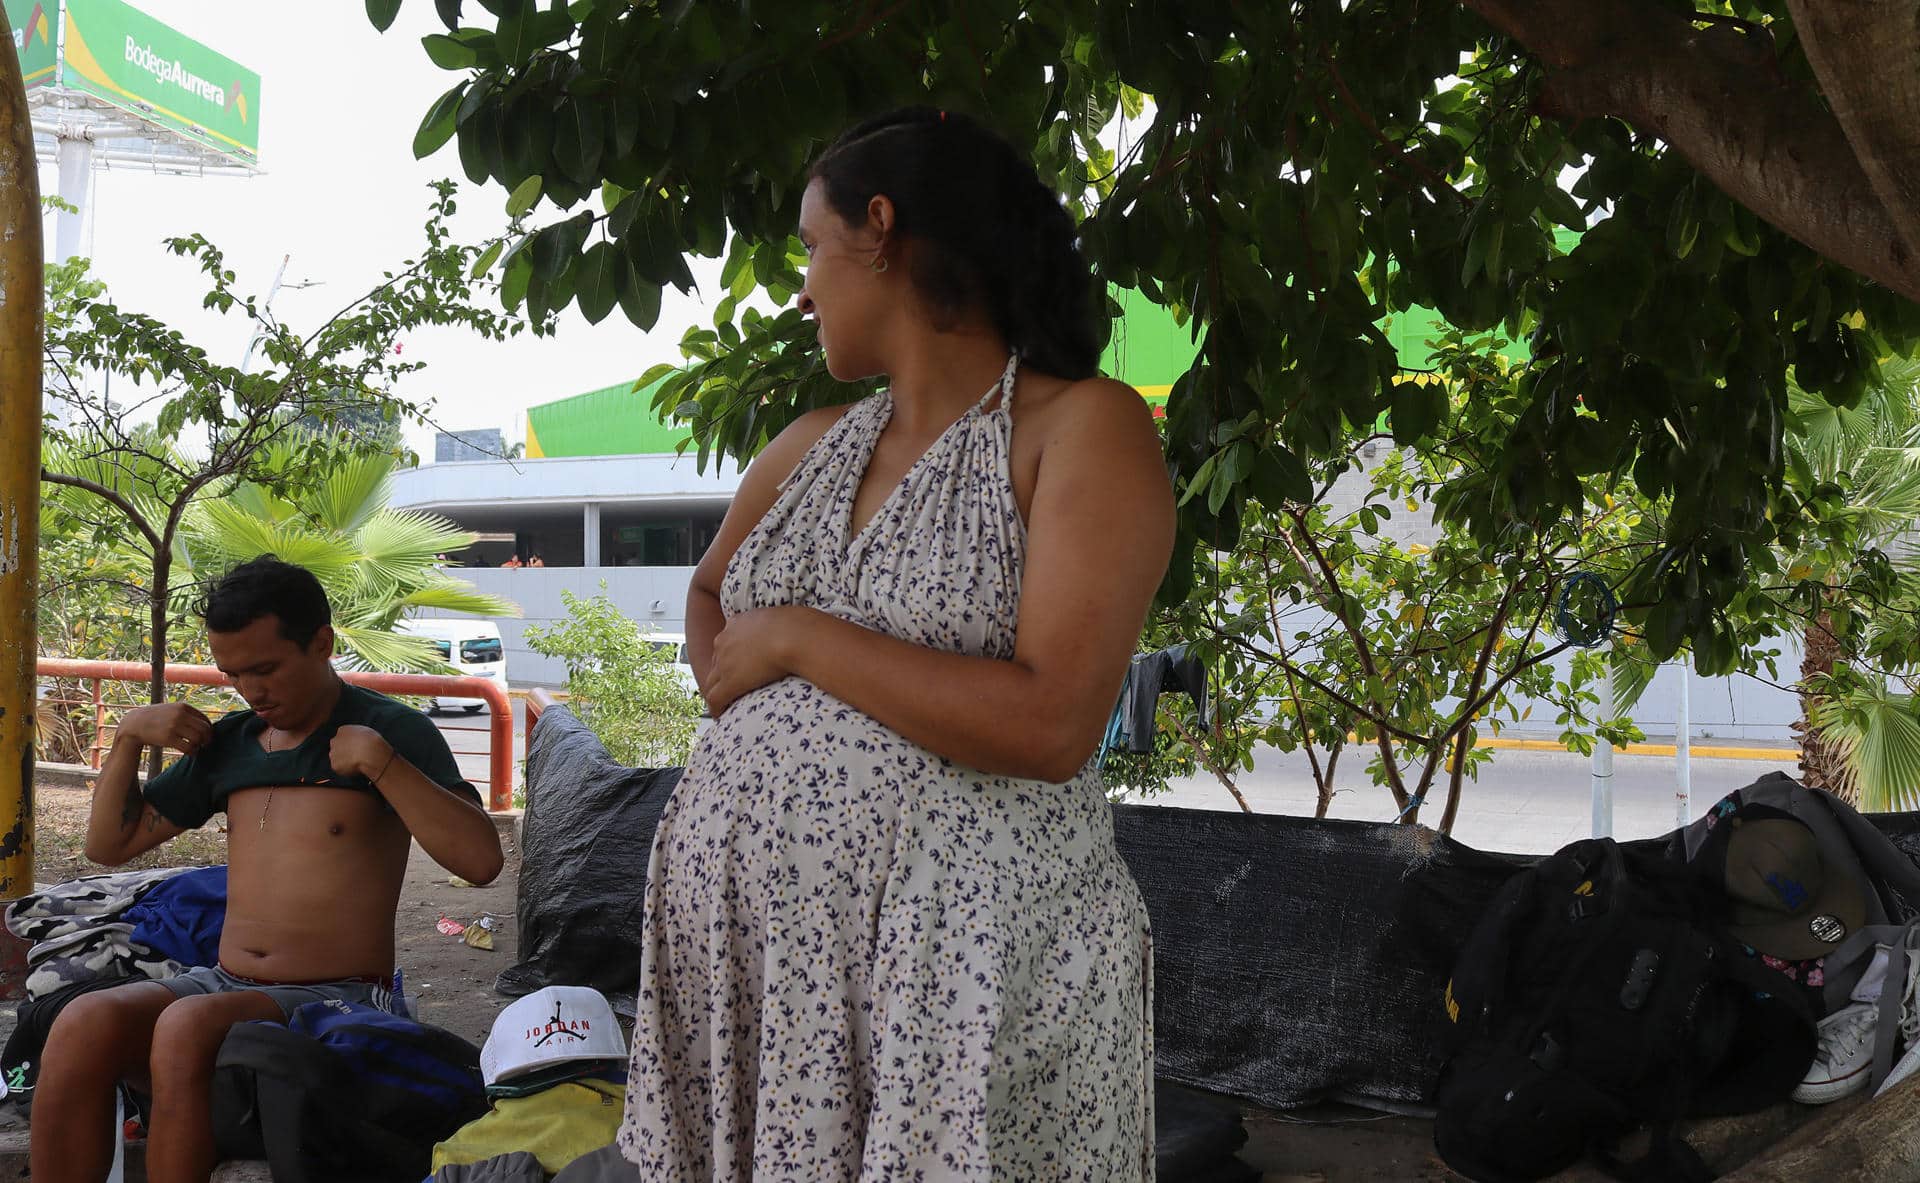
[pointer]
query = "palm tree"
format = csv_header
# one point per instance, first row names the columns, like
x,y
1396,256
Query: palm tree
x,y
1860,738
377,563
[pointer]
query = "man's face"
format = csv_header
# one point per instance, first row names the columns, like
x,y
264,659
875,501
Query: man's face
x,y
282,682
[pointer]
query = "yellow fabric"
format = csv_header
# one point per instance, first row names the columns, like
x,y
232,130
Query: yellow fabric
x,y
555,1125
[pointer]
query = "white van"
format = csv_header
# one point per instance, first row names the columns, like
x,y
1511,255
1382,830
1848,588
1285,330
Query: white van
x,y
676,645
471,647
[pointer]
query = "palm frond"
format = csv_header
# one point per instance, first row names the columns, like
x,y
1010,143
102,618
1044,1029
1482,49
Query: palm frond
x,y
230,535
1886,491
389,652
1632,672
1877,734
353,492
457,595
400,543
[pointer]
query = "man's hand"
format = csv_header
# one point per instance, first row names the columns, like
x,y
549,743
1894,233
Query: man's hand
x,y
359,751
167,725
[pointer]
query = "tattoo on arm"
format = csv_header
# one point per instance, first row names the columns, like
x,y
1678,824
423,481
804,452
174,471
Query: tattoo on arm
x,y
153,819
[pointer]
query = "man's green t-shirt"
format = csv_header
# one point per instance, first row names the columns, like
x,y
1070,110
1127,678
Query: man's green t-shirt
x,y
194,788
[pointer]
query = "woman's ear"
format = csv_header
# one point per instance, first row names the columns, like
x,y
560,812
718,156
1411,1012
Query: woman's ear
x,y
881,216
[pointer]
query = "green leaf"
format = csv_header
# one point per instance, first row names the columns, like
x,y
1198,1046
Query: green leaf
x,y
438,127
523,197
599,283
449,54
557,247
518,35
513,285
382,12
1682,226
1413,412
449,11
579,136
487,259
639,298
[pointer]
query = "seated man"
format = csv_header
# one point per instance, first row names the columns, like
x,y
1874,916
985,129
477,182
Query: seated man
x,y
324,786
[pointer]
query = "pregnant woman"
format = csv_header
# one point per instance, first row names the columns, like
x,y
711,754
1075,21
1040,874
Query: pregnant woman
x,y
888,935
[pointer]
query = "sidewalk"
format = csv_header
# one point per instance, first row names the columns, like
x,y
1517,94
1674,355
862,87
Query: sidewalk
x,y
1529,799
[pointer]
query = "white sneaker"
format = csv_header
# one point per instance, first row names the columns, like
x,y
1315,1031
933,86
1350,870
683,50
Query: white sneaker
x,y
1843,1063
1909,1063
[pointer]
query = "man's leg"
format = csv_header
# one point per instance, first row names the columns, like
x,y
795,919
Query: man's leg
x,y
186,1041
98,1040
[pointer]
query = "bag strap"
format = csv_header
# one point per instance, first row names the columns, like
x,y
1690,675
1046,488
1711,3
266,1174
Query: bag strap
x,y
283,1126
1893,995
1669,1159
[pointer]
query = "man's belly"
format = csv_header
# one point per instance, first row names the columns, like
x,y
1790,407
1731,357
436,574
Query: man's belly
x,y
313,879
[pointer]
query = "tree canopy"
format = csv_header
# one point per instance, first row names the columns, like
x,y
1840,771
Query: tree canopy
x,y
1288,176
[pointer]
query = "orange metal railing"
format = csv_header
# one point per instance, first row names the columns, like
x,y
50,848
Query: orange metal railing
x,y
499,779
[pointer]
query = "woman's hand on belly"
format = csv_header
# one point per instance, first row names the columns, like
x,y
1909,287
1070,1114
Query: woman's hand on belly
x,y
754,649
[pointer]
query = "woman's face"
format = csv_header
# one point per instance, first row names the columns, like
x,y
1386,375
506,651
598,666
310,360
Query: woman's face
x,y
847,299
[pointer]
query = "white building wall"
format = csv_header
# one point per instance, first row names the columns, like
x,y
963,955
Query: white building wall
x,y
567,480
653,597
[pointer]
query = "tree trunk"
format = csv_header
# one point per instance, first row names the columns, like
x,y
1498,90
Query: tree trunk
x,y
157,624
1323,785
1820,764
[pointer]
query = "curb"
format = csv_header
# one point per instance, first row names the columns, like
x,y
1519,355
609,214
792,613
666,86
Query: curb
x,y
1705,751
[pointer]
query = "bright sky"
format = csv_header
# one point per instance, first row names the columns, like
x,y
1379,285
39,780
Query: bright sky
x,y
343,195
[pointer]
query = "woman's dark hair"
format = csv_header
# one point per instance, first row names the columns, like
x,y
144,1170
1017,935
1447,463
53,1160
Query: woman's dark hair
x,y
266,586
987,234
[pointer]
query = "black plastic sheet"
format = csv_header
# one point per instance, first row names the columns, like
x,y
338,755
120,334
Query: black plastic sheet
x,y
584,840
1295,960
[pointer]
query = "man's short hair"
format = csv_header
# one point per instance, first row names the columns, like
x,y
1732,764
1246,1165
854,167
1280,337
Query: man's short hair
x,y
267,586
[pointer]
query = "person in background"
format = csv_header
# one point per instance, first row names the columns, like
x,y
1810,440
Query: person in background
x,y
536,561
513,561
887,932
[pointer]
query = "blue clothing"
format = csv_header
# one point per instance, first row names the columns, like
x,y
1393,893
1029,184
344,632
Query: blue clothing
x,y
181,917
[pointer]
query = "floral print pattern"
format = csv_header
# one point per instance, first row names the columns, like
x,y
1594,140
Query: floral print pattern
x,y
862,960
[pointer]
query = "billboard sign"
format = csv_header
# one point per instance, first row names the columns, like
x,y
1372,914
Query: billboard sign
x,y
33,23
122,56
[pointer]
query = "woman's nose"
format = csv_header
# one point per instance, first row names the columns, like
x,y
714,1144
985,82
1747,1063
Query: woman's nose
x,y
805,303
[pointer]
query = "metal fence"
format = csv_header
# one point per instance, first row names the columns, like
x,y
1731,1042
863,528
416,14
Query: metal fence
x,y
98,692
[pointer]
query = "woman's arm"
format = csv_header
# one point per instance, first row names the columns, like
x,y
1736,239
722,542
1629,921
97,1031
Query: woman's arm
x,y
1099,533
759,489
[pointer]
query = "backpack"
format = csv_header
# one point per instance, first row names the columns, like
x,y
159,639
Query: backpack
x,y
1593,997
20,1060
343,1091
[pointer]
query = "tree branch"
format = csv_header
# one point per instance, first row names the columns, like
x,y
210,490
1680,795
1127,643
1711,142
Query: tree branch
x,y
1866,54
1719,99
108,495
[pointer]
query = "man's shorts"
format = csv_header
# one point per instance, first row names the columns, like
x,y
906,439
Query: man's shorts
x,y
212,979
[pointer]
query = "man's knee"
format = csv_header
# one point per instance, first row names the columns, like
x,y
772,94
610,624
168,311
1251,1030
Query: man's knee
x,y
105,1033
187,1037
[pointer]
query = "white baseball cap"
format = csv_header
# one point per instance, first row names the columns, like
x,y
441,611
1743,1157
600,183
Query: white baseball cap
x,y
552,1025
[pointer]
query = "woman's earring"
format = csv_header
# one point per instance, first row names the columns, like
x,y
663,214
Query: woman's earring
x,y
879,264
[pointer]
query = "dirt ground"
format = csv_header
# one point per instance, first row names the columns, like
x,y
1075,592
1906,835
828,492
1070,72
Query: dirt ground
x,y
450,982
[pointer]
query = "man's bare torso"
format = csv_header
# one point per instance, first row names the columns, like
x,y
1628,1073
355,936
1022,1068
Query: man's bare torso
x,y
311,893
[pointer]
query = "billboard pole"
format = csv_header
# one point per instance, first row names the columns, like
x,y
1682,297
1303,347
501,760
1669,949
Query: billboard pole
x,y
21,342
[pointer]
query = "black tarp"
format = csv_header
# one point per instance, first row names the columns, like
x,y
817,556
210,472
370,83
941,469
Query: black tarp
x,y
1295,960
583,863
